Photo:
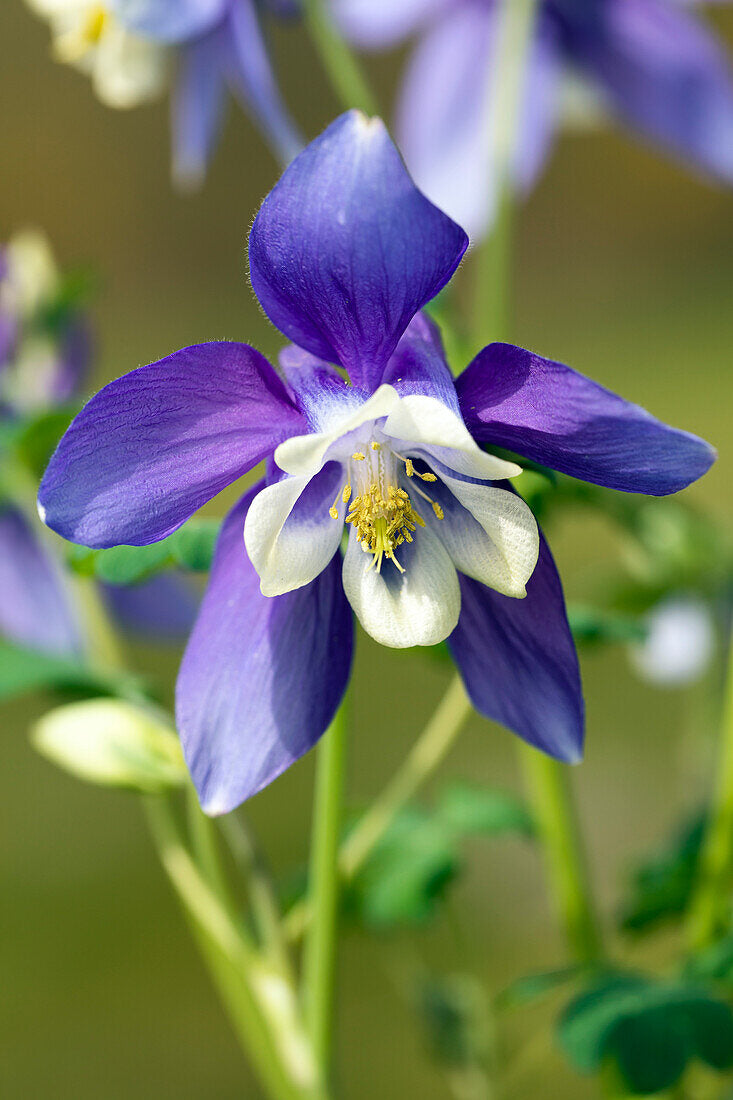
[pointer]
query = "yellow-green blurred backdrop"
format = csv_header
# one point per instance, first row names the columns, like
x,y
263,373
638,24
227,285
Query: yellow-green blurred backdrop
x,y
625,271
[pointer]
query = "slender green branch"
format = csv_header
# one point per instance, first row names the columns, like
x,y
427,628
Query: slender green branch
x,y
262,1005
710,905
265,911
319,957
427,753
504,89
340,64
556,820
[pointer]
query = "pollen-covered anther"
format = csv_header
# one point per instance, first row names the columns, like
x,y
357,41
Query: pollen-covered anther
x,y
383,519
358,456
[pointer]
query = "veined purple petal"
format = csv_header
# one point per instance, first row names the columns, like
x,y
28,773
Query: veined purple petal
x,y
553,415
668,75
518,660
169,20
381,23
163,607
418,364
261,677
444,121
345,250
198,108
150,448
35,608
250,73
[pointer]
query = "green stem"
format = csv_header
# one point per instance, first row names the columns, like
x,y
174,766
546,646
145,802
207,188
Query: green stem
x,y
260,892
427,753
710,905
319,957
262,1006
340,64
557,824
504,89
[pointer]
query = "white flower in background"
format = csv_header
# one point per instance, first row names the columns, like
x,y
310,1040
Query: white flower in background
x,y
679,645
125,69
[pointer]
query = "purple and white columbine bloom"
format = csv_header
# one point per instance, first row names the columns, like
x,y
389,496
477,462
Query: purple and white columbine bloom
x,y
44,358
649,63
344,253
128,48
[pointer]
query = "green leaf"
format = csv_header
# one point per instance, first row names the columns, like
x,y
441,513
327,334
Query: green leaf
x,y
595,626
455,1013
112,743
193,545
649,1029
469,810
24,670
714,964
36,441
661,886
122,565
407,873
534,987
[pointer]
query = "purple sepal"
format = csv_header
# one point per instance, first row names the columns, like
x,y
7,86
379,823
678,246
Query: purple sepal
x,y
197,107
666,74
249,70
518,660
163,607
418,364
549,413
150,448
35,607
261,677
345,250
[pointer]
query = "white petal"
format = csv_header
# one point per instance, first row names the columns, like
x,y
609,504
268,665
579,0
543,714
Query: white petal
x,y
493,537
127,70
417,607
305,454
289,535
431,425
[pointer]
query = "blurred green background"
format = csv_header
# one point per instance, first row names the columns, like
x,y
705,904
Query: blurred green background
x,y
625,271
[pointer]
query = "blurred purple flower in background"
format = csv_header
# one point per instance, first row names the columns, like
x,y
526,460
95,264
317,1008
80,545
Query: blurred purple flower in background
x,y
648,63
44,359
129,48
344,253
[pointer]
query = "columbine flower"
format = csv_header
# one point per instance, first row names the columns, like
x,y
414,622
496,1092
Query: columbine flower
x,y
44,343
129,48
44,356
344,253
649,63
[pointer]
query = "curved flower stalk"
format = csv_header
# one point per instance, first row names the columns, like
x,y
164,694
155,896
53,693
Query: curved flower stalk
x,y
133,49
44,358
344,253
650,64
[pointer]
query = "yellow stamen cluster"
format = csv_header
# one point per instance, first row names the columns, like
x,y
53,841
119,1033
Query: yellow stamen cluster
x,y
383,520
382,514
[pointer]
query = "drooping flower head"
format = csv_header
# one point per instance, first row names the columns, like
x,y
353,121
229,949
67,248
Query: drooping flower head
x,y
44,358
132,50
649,63
395,463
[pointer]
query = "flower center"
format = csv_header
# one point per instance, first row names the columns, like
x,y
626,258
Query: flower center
x,y
73,45
382,513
